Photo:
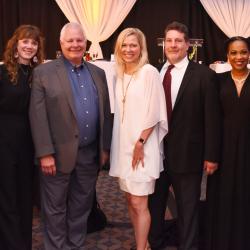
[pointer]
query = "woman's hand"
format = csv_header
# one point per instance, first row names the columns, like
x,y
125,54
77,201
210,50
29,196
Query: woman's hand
x,y
138,155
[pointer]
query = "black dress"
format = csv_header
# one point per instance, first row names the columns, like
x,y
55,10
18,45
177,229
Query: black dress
x,y
229,189
16,162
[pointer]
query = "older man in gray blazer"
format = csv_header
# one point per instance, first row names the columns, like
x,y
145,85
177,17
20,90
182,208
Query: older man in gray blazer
x,y
71,126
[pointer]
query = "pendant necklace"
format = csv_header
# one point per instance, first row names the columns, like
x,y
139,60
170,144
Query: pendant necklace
x,y
124,94
25,72
239,82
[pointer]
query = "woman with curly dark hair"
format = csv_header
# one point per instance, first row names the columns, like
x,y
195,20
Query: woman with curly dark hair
x,y
23,52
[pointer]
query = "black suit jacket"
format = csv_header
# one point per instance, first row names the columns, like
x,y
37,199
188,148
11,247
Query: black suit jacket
x,y
195,127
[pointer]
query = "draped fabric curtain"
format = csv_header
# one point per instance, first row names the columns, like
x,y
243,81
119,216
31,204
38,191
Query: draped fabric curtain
x,y
99,18
231,16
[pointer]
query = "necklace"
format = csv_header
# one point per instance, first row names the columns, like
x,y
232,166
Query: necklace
x,y
25,72
240,81
124,94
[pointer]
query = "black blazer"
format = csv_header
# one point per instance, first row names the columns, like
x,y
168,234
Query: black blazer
x,y
195,127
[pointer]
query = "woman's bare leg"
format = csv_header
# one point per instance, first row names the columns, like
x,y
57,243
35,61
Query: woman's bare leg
x,y
140,218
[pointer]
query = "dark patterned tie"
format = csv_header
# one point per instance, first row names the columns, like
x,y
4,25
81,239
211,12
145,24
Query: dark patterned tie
x,y
167,89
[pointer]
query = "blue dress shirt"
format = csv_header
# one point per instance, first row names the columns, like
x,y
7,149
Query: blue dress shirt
x,y
86,102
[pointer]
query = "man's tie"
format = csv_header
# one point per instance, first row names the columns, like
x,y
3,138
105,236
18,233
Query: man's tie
x,y
167,89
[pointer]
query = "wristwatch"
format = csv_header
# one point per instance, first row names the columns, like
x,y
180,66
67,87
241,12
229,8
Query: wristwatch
x,y
141,140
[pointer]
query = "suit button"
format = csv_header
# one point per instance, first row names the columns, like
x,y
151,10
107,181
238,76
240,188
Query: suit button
x,y
76,136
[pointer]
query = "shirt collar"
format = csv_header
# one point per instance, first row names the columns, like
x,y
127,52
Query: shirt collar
x,y
178,65
72,66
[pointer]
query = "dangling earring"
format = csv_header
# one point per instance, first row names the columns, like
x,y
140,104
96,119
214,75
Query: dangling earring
x,y
16,55
35,59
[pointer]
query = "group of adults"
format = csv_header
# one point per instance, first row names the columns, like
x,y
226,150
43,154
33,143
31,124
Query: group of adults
x,y
168,129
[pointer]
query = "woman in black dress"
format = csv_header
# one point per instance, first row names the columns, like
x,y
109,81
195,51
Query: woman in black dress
x,y
23,52
229,187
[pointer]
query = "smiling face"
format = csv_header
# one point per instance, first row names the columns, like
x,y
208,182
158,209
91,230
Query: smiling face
x,y
26,49
175,46
238,55
130,50
73,44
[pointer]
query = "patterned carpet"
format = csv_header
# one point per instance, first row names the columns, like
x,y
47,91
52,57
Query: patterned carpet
x,y
118,235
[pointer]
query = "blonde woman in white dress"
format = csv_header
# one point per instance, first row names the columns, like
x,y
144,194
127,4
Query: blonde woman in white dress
x,y
140,123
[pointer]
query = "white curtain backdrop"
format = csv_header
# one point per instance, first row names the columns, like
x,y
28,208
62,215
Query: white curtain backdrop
x,y
99,18
231,16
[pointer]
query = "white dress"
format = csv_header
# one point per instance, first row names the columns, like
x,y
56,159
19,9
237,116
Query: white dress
x,y
144,108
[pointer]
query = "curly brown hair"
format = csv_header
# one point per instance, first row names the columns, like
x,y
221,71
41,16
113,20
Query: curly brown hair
x,y
22,32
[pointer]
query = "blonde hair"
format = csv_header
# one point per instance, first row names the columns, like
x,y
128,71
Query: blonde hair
x,y
143,59
22,32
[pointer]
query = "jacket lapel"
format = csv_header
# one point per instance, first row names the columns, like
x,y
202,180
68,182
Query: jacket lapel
x,y
95,77
97,81
186,79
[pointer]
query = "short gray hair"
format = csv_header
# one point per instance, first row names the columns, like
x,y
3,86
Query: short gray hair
x,y
72,25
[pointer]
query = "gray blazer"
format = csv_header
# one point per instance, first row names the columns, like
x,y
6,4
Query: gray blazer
x,y
53,116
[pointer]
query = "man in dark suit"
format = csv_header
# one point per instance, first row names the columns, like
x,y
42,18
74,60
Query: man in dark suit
x,y
193,141
71,126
